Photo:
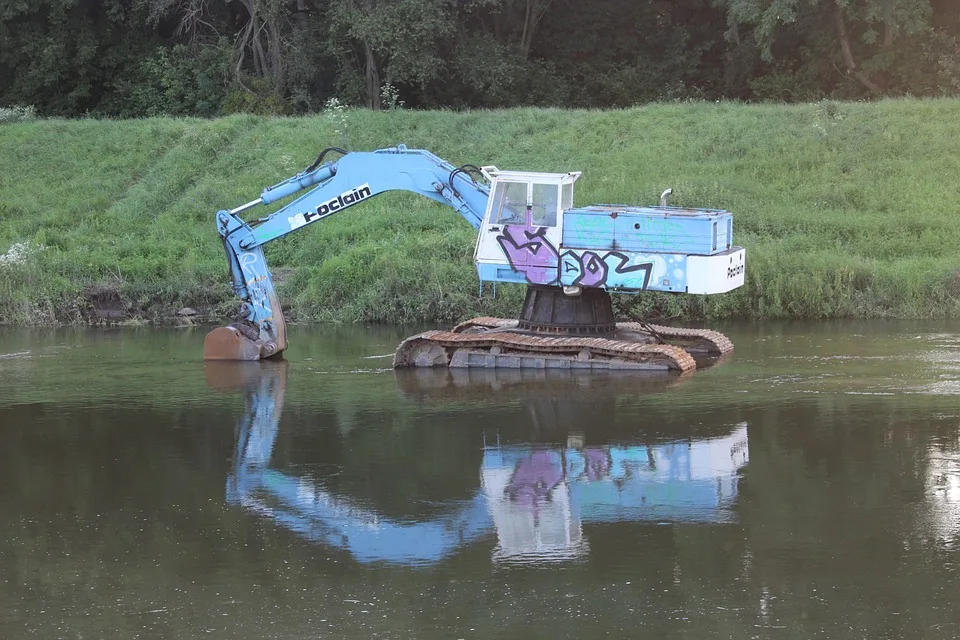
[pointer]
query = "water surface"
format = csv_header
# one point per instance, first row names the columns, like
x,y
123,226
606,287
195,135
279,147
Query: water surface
x,y
809,486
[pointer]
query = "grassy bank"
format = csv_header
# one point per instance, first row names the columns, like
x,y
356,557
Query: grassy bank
x,y
845,209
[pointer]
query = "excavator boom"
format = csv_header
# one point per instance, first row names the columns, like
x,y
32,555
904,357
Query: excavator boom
x,y
354,178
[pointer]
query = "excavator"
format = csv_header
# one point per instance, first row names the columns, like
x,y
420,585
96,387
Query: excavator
x,y
529,232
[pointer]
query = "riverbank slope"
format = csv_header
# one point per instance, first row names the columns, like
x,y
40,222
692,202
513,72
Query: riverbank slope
x,y
846,209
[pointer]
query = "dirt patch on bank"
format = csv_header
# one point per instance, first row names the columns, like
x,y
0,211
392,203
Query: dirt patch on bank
x,y
106,304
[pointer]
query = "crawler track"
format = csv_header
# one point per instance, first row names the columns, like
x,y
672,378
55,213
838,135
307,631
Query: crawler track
x,y
494,348
703,341
713,343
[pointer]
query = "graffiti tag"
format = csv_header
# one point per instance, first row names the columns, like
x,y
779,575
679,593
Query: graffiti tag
x,y
594,270
256,286
529,252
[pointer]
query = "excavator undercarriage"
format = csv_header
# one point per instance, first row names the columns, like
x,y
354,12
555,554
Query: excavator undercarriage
x,y
556,331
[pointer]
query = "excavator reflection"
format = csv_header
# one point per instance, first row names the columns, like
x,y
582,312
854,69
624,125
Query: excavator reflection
x,y
533,500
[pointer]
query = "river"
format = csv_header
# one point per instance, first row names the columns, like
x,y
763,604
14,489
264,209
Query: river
x,y
806,487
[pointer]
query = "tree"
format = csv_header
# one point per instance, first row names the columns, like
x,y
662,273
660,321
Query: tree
x,y
256,26
390,41
60,55
878,43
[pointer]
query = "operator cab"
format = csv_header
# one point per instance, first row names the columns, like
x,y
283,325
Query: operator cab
x,y
525,211
514,193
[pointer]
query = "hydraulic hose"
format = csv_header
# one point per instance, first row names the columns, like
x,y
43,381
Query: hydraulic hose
x,y
319,160
465,169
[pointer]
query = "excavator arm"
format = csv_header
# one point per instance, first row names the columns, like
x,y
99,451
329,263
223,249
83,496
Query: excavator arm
x,y
334,186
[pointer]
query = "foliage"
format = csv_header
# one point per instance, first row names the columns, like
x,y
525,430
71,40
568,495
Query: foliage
x,y
377,42
64,56
257,96
175,81
852,47
336,114
390,97
208,57
17,113
17,255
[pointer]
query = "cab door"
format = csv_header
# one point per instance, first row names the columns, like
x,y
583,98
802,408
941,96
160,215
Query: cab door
x,y
521,234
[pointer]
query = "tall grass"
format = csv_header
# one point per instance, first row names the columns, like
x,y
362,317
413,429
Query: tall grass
x,y
845,209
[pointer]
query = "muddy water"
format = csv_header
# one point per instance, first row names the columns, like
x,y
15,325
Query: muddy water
x,y
807,487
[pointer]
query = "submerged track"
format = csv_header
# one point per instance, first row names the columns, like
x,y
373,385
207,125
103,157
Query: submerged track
x,y
497,342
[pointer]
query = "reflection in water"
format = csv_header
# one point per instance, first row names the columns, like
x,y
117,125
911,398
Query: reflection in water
x,y
534,498
539,498
943,491
116,456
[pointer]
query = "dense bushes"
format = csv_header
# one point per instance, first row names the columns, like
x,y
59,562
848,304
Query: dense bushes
x,y
213,57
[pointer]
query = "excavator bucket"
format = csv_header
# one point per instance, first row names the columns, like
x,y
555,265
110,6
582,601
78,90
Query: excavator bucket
x,y
229,343
244,341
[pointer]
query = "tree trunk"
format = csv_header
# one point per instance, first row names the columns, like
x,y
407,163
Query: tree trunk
x,y
301,14
276,54
847,49
527,29
533,13
373,78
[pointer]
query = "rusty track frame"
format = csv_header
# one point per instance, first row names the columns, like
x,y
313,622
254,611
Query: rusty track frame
x,y
674,357
717,343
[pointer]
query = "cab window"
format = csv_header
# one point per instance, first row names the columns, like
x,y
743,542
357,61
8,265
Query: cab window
x,y
566,200
545,198
509,203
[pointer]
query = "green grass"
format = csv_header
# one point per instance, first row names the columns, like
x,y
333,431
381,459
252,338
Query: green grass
x,y
846,209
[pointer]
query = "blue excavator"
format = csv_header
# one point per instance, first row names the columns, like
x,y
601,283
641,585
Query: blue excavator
x,y
529,232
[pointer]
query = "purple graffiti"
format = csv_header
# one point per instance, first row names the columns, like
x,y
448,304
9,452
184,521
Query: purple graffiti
x,y
534,478
596,463
529,252
593,270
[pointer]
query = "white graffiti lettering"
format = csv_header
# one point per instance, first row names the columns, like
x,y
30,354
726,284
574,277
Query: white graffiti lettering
x,y
247,262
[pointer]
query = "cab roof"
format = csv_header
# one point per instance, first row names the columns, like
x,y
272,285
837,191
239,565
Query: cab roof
x,y
492,173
